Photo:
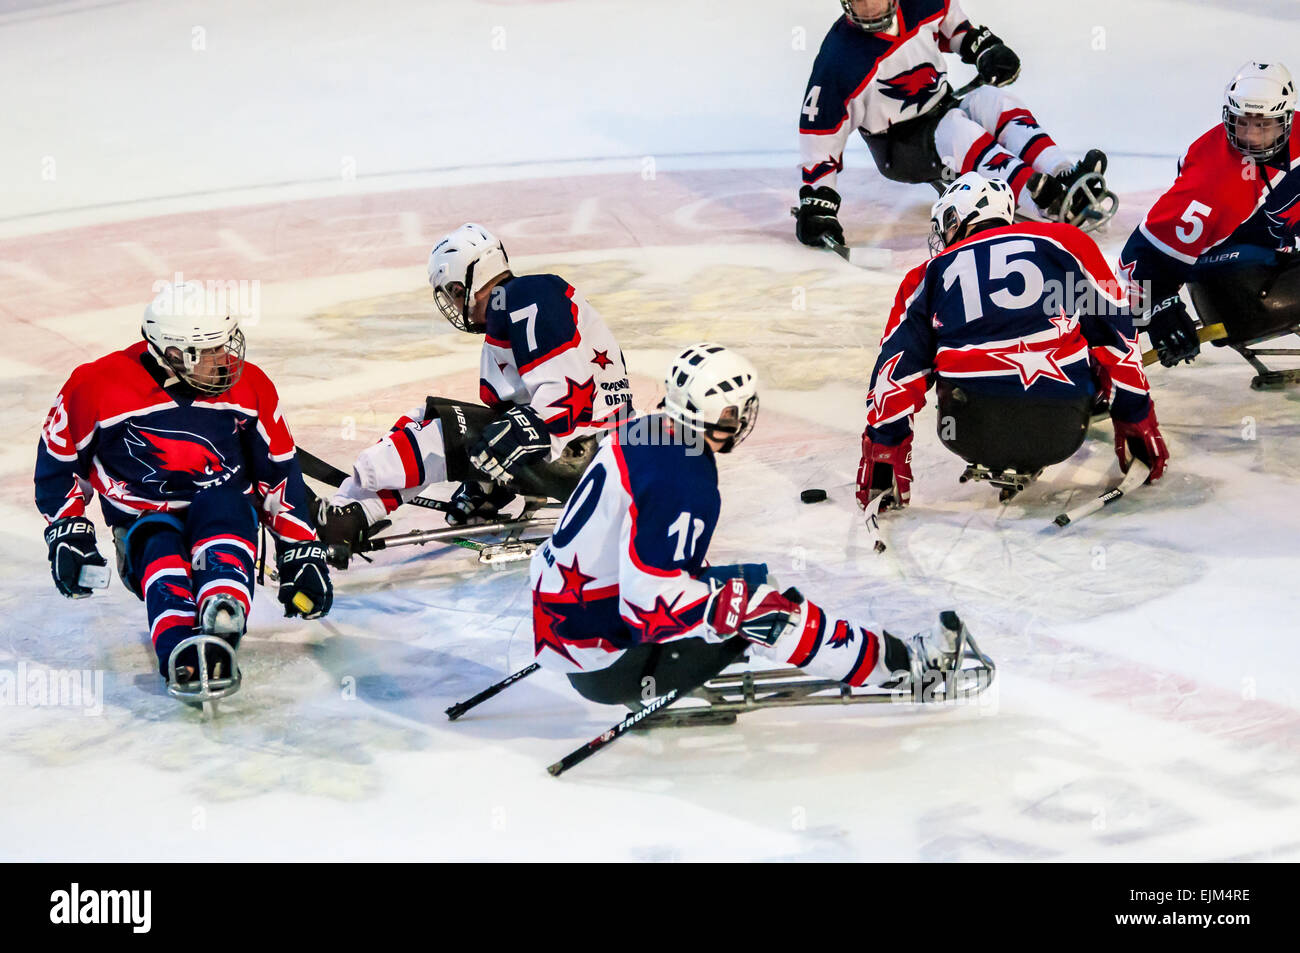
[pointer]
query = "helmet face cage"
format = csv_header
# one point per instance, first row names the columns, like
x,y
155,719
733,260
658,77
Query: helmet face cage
x,y
729,423
734,424
1231,119
871,24
230,367
453,302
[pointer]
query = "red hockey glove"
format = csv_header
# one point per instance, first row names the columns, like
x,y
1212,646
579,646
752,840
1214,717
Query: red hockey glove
x,y
759,614
885,469
1143,441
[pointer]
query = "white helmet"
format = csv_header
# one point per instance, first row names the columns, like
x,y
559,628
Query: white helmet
x,y
460,266
714,391
1264,90
873,24
200,343
970,200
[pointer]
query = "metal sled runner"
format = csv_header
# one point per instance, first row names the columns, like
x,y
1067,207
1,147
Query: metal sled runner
x,y
727,696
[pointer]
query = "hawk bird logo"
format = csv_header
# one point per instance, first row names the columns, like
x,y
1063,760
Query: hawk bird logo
x,y
1284,224
175,460
913,87
999,162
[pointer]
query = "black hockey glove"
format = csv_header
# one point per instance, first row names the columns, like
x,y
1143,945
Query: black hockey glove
x,y
992,59
305,587
477,502
1172,332
817,213
72,547
519,438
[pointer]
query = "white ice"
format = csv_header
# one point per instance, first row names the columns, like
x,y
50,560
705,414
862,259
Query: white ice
x,y
1146,706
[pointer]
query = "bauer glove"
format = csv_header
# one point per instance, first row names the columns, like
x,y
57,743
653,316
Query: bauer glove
x,y
517,439
72,547
305,587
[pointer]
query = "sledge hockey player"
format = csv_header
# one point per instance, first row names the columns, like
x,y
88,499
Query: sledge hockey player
x,y
881,71
1228,226
552,377
1016,326
621,591
188,448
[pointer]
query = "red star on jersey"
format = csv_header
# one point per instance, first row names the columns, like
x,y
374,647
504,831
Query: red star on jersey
x,y
659,621
546,628
578,402
601,359
1064,323
575,580
1129,370
886,386
273,500
1031,364
113,489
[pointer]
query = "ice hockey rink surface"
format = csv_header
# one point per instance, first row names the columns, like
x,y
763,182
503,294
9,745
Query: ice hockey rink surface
x,y
1146,701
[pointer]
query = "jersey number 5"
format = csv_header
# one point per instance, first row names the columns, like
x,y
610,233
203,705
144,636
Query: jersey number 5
x,y
1195,223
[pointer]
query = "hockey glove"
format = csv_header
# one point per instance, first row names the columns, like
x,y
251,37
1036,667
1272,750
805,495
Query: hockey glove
x,y
817,213
1143,441
304,572
1172,332
519,438
758,613
72,547
992,59
477,502
885,470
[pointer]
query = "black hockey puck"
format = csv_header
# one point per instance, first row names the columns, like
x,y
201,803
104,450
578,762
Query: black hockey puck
x,y
813,496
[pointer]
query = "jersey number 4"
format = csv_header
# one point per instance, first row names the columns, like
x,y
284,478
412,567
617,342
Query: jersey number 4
x,y
810,103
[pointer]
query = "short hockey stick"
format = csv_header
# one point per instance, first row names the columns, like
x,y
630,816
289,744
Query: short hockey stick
x,y
613,734
1136,476
1211,332
316,468
458,709
738,646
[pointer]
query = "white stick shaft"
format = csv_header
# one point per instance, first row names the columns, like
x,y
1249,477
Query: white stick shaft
x,y
1136,476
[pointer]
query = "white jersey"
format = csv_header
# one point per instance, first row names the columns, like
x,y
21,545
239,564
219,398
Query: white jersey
x,y
623,564
871,81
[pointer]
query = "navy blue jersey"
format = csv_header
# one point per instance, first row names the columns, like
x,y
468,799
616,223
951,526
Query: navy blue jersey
x,y
548,348
1019,309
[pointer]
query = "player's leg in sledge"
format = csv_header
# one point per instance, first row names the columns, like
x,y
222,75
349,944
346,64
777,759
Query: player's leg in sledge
x,y
1254,292
994,133
1009,441
788,628
431,446
194,573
